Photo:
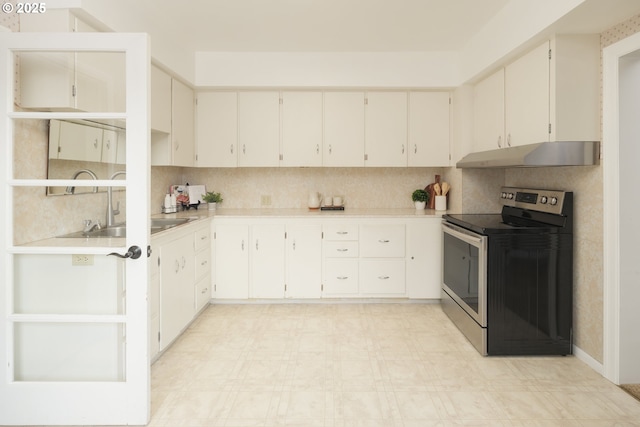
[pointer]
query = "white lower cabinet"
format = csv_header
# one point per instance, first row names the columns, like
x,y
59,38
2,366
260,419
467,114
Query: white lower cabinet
x,y
382,277
304,261
340,277
202,244
232,261
177,272
327,258
424,259
267,261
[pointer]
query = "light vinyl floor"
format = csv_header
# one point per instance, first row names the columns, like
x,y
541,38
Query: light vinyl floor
x,y
366,365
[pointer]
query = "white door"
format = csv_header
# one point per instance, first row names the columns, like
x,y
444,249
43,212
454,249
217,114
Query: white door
x,y
232,261
267,261
304,261
74,345
258,128
386,129
217,129
301,129
526,83
343,129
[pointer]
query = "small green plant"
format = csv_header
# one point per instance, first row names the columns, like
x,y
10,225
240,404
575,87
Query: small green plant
x,y
211,197
420,196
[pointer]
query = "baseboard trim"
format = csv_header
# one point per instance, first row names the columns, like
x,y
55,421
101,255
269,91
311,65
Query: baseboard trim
x,y
586,358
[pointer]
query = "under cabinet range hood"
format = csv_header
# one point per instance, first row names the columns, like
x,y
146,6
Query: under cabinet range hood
x,y
543,154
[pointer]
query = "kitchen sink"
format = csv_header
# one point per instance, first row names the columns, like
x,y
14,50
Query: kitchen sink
x,y
120,230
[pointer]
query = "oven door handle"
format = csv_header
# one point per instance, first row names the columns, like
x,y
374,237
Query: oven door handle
x,y
477,240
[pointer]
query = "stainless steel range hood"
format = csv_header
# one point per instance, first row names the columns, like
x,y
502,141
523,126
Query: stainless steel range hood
x,y
556,153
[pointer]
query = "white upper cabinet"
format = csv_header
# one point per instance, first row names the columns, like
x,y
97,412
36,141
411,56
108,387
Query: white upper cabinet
x,y
301,129
386,129
182,124
549,94
527,98
258,128
109,146
79,142
217,129
488,113
343,129
429,130
160,100
87,81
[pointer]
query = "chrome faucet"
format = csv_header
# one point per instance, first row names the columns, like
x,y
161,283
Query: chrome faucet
x,y
72,189
111,213
89,226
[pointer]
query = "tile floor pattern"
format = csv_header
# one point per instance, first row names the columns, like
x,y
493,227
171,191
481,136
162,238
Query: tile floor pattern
x,y
366,365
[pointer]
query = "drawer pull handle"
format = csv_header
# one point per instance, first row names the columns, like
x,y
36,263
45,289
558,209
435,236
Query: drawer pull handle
x,y
203,263
204,291
203,238
383,277
342,277
343,250
342,232
383,241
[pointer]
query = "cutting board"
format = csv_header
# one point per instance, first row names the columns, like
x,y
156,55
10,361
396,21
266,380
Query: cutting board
x,y
195,193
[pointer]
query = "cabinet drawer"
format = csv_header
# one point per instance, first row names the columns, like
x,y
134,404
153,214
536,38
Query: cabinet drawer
x,y
382,277
203,292
340,277
382,241
203,263
340,249
340,232
203,238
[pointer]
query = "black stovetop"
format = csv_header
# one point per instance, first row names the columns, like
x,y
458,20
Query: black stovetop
x,y
504,223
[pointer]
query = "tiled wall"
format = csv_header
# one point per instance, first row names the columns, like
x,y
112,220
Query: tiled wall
x,y
290,187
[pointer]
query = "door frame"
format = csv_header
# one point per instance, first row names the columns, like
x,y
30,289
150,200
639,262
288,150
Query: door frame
x,y
613,286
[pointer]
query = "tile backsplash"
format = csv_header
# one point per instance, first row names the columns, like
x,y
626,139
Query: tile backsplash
x,y
290,187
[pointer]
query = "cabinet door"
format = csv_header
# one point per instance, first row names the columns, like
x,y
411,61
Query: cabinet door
x,y
301,129
182,124
382,241
258,128
154,304
79,142
488,113
343,129
160,100
340,277
424,259
267,261
177,274
217,129
428,129
527,98
232,261
386,129
109,146
380,277
304,261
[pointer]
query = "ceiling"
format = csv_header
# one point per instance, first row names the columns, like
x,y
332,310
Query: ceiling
x,y
323,25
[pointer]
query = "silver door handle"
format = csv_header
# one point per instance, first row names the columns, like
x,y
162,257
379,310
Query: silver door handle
x,y
244,149
317,148
256,244
231,148
383,241
330,148
509,140
383,277
343,250
402,148
242,245
342,232
342,277
500,141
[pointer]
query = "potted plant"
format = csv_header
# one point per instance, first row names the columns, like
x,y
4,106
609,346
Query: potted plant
x,y
420,198
212,199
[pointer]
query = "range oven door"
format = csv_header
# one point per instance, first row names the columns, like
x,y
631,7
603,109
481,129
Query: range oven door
x,y
464,273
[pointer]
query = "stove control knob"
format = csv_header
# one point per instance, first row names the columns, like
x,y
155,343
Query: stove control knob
x,y
503,195
544,200
554,201
510,196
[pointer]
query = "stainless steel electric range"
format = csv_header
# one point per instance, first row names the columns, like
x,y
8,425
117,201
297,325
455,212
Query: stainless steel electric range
x,y
508,277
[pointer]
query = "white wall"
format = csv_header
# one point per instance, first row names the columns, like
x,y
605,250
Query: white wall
x,y
327,69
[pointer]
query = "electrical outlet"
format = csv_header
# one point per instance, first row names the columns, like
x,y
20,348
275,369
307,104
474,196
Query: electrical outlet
x,y
265,200
80,259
